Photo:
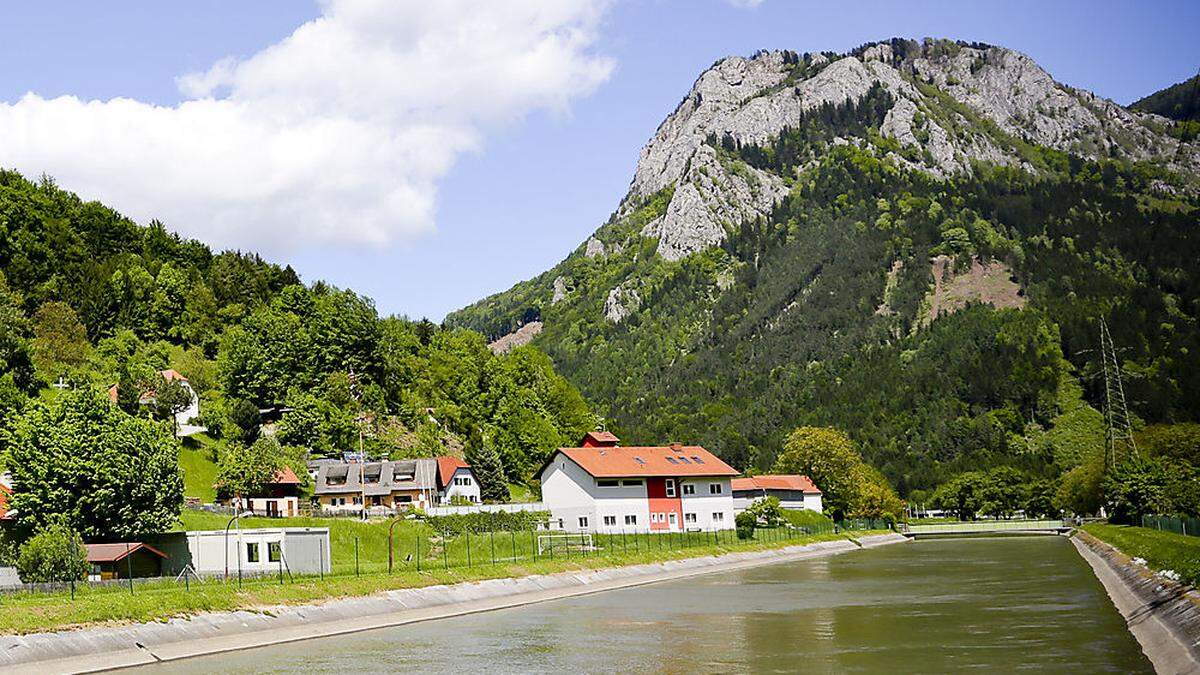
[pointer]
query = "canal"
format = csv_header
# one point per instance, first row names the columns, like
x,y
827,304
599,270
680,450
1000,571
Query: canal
x,y
933,606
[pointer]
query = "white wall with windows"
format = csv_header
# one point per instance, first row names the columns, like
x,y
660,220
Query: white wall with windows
x,y
707,503
608,505
462,484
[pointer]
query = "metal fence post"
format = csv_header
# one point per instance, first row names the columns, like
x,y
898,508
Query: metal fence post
x,y
356,556
468,533
129,567
446,549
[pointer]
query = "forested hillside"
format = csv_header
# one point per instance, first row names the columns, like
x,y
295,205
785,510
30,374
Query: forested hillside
x,y
89,299
774,265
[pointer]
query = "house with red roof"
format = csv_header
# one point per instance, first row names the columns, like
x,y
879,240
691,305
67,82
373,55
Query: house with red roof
x,y
278,498
792,490
602,486
123,560
5,495
184,418
456,481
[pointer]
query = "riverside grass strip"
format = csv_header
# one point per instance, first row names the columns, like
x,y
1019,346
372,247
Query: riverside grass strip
x,y
1161,550
158,601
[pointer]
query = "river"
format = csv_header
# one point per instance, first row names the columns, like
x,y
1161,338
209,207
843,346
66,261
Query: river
x,y
934,606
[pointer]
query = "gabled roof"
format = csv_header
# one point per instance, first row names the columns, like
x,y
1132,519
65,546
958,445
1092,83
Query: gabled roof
x,y
172,374
599,438
644,461
285,476
107,553
776,482
446,467
5,493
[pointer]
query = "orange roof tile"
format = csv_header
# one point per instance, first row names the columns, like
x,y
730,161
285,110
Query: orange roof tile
x,y
285,476
5,493
776,482
635,461
172,374
447,466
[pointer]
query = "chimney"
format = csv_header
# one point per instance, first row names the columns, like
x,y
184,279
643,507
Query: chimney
x,y
676,446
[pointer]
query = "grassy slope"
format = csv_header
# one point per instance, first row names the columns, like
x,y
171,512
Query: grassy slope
x,y
1160,550
162,600
199,472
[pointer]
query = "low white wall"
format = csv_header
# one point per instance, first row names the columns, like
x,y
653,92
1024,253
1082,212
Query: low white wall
x,y
485,508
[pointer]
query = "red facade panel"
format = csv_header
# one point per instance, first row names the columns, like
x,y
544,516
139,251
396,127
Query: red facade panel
x,y
665,503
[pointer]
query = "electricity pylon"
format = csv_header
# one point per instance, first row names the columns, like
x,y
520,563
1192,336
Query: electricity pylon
x,y
1118,426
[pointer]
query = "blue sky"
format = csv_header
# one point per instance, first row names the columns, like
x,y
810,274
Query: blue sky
x,y
512,185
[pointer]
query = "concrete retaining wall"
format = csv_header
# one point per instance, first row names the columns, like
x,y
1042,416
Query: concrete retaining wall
x,y
96,649
1162,614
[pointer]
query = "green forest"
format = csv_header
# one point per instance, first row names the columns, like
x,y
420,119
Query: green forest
x,y
89,299
820,314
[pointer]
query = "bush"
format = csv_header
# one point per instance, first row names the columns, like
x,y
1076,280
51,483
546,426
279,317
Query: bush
x,y
766,511
745,523
54,554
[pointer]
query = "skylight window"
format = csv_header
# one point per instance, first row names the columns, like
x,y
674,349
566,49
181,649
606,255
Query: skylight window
x,y
697,460
639,460
672,460
684,460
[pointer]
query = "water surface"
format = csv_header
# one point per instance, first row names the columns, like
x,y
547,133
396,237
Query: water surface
x,y
938,606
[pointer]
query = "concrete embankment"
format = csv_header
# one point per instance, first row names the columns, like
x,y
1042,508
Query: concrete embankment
x,y
1162,614
96,649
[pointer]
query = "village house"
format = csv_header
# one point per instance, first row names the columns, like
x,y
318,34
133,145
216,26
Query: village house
x,y
279,498
792,490
5,495
391,485
248,551
184,418
605,487
123,560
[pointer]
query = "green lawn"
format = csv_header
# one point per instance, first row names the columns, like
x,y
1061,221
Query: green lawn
x,y
520,494
815,522
457,558
1160,550
199,472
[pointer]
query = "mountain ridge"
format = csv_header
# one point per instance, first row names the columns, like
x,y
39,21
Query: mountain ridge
x,y
783,176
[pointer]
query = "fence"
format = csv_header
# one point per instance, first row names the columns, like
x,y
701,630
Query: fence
x,y
1176,524
389,549
484,508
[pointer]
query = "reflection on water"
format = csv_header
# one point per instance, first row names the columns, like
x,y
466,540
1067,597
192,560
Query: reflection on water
x,y
932,606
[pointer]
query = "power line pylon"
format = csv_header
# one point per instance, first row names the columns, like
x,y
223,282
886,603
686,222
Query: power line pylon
x,y
1118,425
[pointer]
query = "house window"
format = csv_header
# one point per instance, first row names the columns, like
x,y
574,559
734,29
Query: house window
x,y
697,460
689,517
718,516
274,551
608,483
714,488
251,552
631,483
689,489
358,500
670,487
672,460
610,520
631,520
583,521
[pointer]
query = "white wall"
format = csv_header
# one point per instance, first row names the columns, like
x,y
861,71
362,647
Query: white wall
x,y
193,410
566,493
812,502
470,492
704,504
618,502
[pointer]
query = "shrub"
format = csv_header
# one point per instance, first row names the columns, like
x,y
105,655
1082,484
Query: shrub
x,y
766,511
54,554
745,523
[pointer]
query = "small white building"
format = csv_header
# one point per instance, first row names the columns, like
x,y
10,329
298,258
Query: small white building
x,y
605,487
456,480
253,551
793,491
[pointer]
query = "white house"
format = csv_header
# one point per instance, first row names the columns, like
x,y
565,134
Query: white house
x,y
605,487
793,491
456,480
183,419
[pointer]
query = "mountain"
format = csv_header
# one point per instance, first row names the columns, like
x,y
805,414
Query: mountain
x,y
1178,102
913,241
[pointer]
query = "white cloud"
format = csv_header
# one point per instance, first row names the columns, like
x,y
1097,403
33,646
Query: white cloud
x,y
337,134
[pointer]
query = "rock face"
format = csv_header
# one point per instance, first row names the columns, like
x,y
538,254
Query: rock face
x,y
754,99
594,248
521,336
620,303
560,290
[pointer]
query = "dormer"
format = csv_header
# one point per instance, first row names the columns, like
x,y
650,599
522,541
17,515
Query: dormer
x,y
599,439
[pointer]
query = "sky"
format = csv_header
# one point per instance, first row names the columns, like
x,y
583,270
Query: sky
x,y
430,154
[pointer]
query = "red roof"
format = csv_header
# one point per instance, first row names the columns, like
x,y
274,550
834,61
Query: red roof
x,y
285,476
107,553
172,374
643,461
446,468
594,439
5,493
776,482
